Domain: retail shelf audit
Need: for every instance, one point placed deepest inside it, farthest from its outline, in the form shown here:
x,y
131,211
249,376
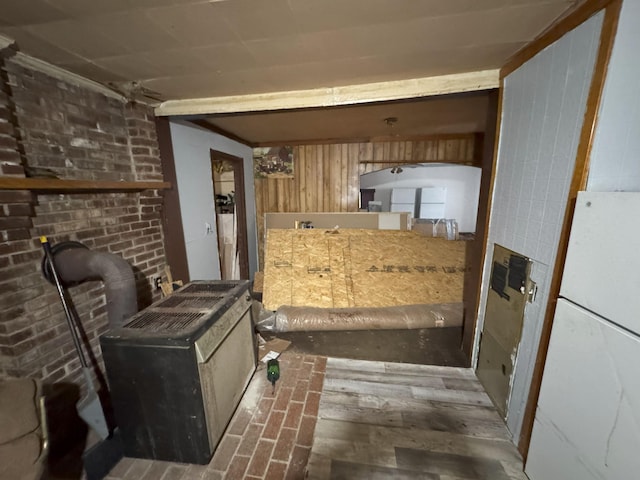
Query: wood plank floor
x,y
382,420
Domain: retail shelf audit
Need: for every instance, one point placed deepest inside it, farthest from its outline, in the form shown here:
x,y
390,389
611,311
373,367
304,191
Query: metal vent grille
x,y
164,322
190,302
208,287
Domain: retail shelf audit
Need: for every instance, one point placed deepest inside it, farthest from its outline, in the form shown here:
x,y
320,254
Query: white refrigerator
x,y
587,422
403,200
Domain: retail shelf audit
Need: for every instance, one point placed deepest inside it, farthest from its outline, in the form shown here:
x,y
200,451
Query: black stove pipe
x,y
75,263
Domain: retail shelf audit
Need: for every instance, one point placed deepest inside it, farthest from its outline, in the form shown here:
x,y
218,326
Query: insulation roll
x,y
289,319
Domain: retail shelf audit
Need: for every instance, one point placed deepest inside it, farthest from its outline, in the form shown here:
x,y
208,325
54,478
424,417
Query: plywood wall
x,y
327,177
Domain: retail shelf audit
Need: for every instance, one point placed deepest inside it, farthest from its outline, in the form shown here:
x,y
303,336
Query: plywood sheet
x,y
360,268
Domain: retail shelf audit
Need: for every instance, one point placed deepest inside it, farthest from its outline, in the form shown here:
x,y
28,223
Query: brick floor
x,y
268,438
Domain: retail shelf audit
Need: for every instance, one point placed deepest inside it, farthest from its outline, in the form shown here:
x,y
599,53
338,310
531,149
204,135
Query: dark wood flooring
x,y
425,346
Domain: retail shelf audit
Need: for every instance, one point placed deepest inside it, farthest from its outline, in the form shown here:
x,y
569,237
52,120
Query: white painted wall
x,y
191,150
615,155
542,113
461,181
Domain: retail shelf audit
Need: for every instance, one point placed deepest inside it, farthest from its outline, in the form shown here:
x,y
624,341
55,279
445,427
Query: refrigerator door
x,y
602,270
403,207
403,195
432,210
587,423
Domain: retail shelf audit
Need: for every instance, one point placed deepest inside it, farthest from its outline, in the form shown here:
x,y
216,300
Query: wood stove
x,y
178,369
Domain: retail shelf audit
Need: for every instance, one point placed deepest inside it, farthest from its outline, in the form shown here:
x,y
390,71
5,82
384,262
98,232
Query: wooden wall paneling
x,y
354,178
453,150
378,152
309,180
442,150
326,176
301,174
319,163
408,149
344,176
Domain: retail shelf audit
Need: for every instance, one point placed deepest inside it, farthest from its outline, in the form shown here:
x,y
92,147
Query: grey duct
x,y
75,265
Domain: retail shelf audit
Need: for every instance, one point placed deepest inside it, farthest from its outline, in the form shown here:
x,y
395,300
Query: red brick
x,y
137,470
8,169
240,420
272,428
156,471
300,392
284,445
312,404
276,471
294,414
15,196
298,463
121,467
20,209
320,364
305,371
14,222
250,439
315,384
305,434
261,457
224,452
282,399
263,410
195,472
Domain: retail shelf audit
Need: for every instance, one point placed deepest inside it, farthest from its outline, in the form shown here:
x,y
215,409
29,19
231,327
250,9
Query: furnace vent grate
x,y
164,322
190,302
208,287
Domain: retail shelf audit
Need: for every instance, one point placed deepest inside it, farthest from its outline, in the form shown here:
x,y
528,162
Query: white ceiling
x,y
184,49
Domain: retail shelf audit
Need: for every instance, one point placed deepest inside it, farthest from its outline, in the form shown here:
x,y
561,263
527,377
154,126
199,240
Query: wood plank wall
x,y
327,176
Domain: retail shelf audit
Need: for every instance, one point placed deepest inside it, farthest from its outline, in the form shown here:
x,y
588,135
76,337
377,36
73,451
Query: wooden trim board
x,y
367,220
334,96
555,32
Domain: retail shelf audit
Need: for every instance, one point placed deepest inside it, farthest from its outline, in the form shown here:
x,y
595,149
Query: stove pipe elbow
x,y
75,264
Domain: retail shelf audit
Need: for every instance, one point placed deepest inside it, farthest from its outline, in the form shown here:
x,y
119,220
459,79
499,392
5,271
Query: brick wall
x,y
78,134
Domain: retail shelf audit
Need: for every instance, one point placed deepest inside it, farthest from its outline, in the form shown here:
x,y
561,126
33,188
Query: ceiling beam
x,y
201,122
335,96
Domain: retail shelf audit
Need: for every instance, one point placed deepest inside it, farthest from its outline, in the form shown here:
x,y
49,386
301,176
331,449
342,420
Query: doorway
x,y
231,216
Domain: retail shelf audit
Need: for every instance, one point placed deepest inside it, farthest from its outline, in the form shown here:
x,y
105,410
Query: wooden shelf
x,y
55,185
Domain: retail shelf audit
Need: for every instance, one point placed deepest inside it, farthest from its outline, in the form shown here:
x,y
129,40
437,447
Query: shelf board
x,y
55,185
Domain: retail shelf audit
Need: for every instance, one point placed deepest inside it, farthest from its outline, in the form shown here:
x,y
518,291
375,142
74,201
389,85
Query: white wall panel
x,y
615,156
191,150
542,111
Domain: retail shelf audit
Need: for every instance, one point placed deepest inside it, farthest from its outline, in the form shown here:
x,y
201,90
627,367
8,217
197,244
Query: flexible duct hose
x,y
75,263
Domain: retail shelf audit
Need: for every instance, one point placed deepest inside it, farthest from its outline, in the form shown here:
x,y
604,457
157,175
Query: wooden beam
x,y
333,96
174,243
387,138
470,339
201,122
485,157
578,183
55,185
581,13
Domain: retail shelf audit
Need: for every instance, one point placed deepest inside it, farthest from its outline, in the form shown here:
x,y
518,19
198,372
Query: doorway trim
x,y
241,207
